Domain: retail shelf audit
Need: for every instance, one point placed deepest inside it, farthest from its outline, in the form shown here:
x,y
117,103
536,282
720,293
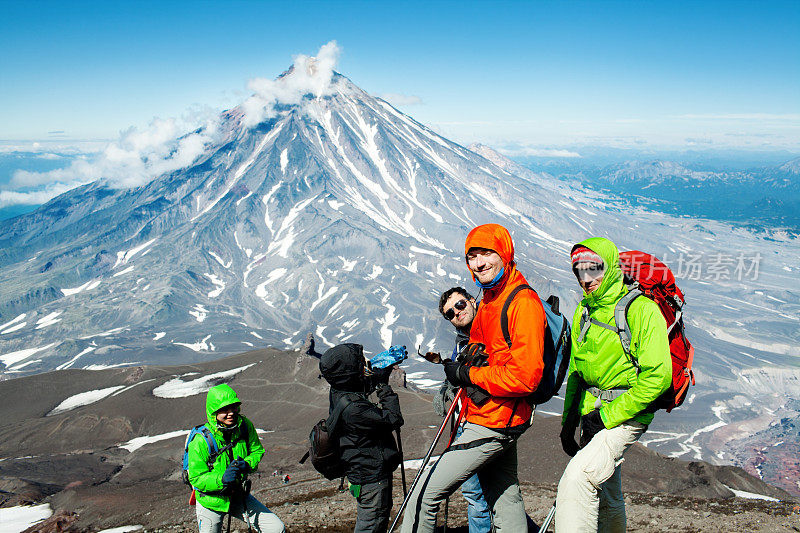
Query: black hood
x,y
343,367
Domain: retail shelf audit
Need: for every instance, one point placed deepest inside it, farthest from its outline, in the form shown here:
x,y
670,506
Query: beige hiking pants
x,y
481,450
589,496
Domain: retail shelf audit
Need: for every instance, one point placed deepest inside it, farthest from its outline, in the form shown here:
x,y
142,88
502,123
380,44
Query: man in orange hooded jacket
x,y
512,371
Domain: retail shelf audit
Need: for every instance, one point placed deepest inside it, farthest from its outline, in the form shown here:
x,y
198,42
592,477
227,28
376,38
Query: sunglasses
x,y
589,273
451,313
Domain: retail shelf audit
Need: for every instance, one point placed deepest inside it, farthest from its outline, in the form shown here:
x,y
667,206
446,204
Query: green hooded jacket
x,y
208,482
600,360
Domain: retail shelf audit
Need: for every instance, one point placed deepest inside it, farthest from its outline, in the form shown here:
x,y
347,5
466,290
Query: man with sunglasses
x,y
457,306
609,392
510,371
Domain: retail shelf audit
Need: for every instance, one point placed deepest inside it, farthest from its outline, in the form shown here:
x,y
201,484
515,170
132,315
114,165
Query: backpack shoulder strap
x,y
333,419
504,314
623,328
213,449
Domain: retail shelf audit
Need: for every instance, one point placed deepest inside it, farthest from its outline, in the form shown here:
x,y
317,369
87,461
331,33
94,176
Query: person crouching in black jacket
x,y
365,430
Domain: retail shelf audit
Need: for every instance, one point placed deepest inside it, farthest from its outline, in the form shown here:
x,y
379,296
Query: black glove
x,y
381,375
243,466
474,354
591,425
456,373
231,473
568,442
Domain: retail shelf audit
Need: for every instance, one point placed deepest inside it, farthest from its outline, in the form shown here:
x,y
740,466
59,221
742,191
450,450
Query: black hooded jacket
x,y
365,429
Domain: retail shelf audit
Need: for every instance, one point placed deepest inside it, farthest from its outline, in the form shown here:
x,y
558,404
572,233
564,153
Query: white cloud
x,y
134,159
538,152
398,100
308,75
35,197
51,149
139,156
743,116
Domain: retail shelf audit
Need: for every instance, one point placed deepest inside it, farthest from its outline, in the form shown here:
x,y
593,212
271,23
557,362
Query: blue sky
x,y
706,74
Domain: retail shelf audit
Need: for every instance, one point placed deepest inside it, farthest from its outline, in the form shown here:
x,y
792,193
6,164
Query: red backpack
x,y
648,276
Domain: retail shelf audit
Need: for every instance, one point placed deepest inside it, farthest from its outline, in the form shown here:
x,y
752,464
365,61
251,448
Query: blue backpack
x,y
557,346
213,449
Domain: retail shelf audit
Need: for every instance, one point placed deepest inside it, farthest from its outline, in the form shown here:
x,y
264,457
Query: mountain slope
x,y
338,214
121,432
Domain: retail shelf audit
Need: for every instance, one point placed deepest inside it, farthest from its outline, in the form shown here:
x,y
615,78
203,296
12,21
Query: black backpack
x,y
326,457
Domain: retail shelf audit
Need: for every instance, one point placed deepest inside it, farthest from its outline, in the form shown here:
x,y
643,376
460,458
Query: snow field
x,y
21,517
13,321
200,313
217,283
10,359
198,346
48,320
84,398
89,285
177,388
72,361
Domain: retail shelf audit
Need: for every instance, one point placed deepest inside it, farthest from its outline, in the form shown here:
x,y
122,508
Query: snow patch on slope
x,y
177,388
84,398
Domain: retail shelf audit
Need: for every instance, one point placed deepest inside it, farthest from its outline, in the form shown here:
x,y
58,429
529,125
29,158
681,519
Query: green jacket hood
x,y
612,287
217,398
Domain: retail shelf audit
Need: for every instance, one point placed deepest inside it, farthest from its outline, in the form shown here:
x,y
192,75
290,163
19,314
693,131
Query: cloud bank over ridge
x,y
166,145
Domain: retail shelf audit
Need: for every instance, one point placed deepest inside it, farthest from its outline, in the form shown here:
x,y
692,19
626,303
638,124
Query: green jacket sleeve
x,y
254,443
650,347
200,477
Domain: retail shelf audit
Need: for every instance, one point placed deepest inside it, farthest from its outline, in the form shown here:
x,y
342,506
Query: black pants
x,y
374,507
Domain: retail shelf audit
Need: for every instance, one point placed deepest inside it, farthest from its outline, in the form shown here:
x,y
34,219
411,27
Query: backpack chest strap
x,y
587,320
622,329
606,395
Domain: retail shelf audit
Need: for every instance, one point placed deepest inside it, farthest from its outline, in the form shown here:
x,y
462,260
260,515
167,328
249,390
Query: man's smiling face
x,y
486,264
463,317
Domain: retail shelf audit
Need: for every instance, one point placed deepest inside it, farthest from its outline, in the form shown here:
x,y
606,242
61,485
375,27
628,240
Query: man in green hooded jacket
x,y
606,391
218,483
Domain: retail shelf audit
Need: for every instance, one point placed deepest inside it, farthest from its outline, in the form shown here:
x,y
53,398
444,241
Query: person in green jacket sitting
x,y
606,391
219,482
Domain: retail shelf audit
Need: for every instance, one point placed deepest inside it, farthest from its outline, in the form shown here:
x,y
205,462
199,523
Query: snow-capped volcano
x,y
338,214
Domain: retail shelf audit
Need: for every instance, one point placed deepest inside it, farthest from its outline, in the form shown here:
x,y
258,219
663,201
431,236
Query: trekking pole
x,y
425,459
402,462
247,484
549,519
447,500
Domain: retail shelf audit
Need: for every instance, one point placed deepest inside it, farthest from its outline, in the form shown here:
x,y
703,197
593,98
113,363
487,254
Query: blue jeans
x,y
478,513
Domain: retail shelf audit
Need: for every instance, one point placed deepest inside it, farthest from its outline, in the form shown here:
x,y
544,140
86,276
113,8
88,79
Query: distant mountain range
x,y
762,198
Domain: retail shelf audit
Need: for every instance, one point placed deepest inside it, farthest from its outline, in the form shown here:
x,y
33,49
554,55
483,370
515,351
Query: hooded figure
x,y
344,368
366,443
217,481
488,444
606,391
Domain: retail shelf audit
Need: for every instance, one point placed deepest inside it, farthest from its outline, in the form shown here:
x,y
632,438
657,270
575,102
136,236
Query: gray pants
x,y
490,454
261,518
590,496
374,506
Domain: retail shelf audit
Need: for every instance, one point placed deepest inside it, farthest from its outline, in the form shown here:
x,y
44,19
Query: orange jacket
x,y
510,373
